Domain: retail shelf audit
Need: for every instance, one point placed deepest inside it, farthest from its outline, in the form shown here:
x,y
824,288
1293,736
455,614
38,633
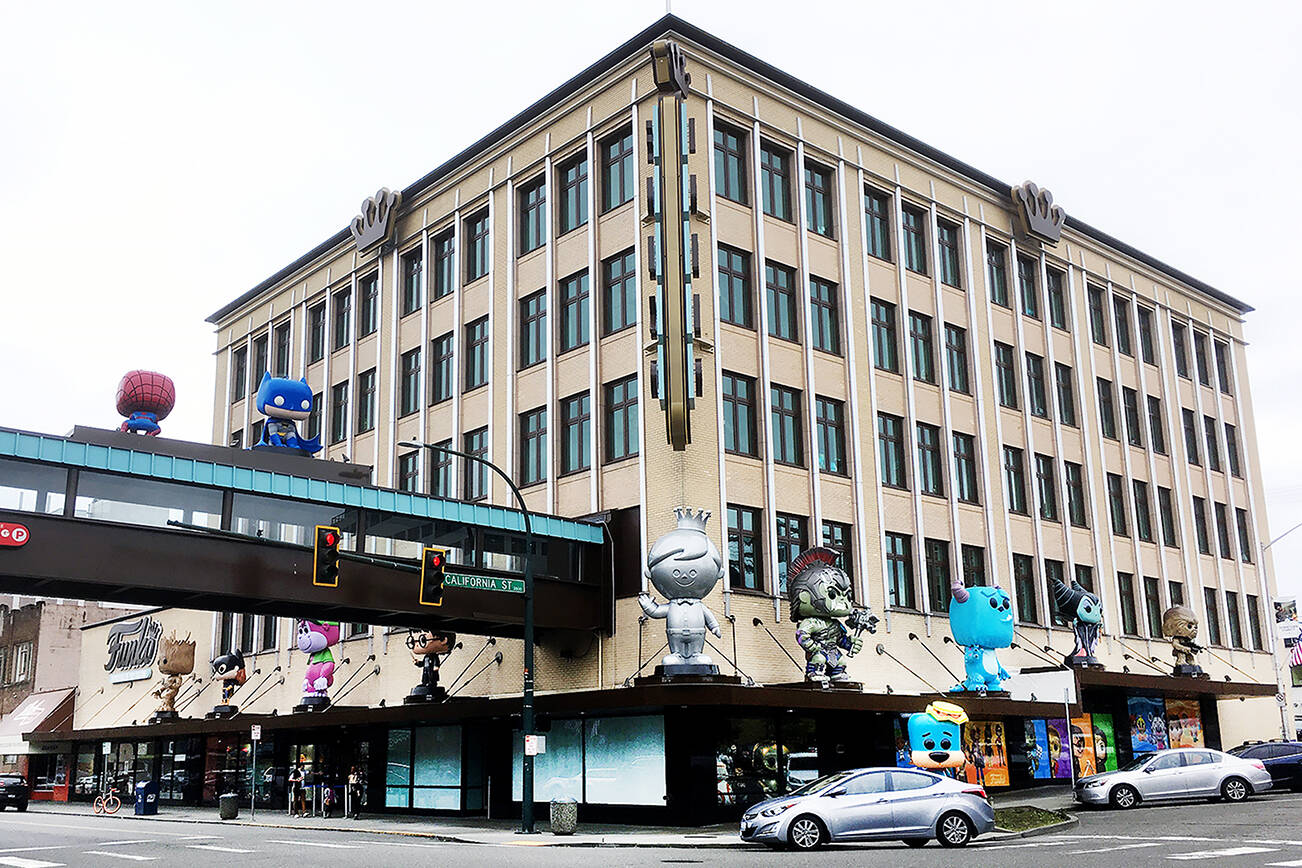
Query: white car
x,y
1185,773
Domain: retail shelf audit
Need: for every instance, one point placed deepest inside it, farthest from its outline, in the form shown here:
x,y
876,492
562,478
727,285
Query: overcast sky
x,y
157,160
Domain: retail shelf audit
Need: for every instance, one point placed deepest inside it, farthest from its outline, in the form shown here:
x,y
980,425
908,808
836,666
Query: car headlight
x,y
1095,784
775,810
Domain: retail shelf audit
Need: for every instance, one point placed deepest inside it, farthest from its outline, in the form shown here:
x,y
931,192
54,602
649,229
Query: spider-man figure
x,y
145,398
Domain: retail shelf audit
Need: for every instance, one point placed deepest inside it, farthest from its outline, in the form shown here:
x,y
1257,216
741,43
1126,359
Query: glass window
x,y
780,286
936,554
1015,479
1156,425
775,181
442,380
1200,356
558,773
818,200
830,419
824,309
1028,287
1028,610
1245,540
444,255
1153,605
956,358
1066,394
1147,349
739,435
1055,282
573,176
1179,349
477,236
744,547
837,537
915,240
1035,390
131,500
877,214
409,471
931,474
440,470
1223,374
623,760
409,391
1053,575
1126,593
281,334
1121,309
533,446
617,170
1006,376
1190,436
1213,616
533,328
974,566
885,352
1200,525
1143,520
730,163
532,203
259,360
899,570
1117,504
621,419
1232,450
735,304
1075,494
1176,590
924,362
1213,444
791,541
1254,621
410,266
343,311
965,474
1232,619
1166,514
1046,483
474,474
368,289
316,329
365,401
28,487
997,272
1130,409
788,444
890,440
948,254
619,292
338,412
574,311
1098,316
576,425
1107,409
476,353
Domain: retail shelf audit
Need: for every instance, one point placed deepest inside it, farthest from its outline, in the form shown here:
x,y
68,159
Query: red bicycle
x,y
108,803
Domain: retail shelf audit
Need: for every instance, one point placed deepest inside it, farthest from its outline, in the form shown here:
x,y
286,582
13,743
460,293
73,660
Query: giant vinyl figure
x,y
284,402
684,565
981,619
315,638
1082,607
819,593
935,738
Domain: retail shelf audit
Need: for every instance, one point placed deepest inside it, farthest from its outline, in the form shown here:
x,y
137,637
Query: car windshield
x,y
1136,763
1240,750
820,784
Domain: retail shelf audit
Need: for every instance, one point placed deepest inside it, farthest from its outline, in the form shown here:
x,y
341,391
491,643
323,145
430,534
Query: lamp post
x,y
526,717
1285,729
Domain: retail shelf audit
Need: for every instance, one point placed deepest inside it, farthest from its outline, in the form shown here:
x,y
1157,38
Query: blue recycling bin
x,y
146,798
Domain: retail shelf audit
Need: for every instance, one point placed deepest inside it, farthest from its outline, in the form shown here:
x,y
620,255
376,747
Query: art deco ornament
x,y
669,68
819,593
684,565
1086,615
1038,217
1180,625
374,225
981,620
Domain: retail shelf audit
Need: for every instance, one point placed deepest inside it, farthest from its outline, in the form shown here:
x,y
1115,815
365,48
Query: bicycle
x,y
108,803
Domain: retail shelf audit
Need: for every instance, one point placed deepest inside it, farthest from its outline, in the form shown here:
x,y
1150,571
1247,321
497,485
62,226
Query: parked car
x,y
14,791
1283,759
1185,773
907,804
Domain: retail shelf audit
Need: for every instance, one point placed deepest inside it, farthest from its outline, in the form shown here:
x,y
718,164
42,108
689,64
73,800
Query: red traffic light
x,y
436,559
330,539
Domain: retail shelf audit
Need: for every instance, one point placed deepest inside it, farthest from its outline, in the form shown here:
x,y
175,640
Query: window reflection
x,y
32,487
141,501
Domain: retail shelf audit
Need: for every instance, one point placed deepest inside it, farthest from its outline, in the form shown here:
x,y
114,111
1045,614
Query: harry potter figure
x,y
429,648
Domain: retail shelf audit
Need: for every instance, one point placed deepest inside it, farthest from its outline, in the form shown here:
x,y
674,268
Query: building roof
x,y
672,24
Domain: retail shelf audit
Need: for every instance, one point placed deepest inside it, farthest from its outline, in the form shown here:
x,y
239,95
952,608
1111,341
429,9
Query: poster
x,y
1286,622
903,756
1082,746
1184,723
1105,742
1147,724
1037,749
1059,748
987,752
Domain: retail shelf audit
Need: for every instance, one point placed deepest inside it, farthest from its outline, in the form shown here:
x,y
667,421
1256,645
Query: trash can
x,y
146,798
564,816
228,806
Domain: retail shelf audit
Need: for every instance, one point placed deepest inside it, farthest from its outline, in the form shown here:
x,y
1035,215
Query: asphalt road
x,y
1262,832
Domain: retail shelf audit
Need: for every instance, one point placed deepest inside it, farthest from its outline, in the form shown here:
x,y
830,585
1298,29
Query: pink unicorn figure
x,y
315,639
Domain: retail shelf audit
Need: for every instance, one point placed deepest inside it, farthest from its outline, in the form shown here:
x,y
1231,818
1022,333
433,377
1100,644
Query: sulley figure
x,y
819,593
981,620
315,639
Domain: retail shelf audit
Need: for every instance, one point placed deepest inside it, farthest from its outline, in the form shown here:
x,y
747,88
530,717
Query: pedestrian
x,y
296,790
327,800
355,791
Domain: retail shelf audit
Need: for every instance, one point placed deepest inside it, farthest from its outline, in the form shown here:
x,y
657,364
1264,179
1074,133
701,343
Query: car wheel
x,y
1235,790
806,833
1124,796
954,829
22,806
916,842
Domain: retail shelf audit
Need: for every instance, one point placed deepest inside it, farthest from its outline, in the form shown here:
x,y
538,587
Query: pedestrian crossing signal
x,y
432,562
325,557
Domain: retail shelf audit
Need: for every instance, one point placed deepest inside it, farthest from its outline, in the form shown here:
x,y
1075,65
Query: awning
x,y
49,711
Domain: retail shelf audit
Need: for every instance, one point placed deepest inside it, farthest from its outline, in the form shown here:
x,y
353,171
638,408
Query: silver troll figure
x,y
819,593
684,565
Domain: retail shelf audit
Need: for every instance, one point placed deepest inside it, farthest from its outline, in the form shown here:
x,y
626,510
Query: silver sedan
x,y
1184,773
906,804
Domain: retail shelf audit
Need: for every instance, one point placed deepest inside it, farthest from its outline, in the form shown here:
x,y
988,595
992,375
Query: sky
x,y
159,159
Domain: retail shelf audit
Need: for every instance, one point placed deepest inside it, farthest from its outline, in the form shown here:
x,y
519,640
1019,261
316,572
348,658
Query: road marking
x,y
110,853
985,847
1118,847
201,838
51,827
1223,854
317,844
217,849
34,849
132,841
16,862
1296,863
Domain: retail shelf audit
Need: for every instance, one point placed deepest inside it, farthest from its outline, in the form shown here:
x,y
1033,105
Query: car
x,y
14,791
1283,759
1183,773
910,805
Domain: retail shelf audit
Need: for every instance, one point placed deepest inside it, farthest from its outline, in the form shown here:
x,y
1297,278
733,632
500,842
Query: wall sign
x,y
374,225
1037,216
12,534
131,649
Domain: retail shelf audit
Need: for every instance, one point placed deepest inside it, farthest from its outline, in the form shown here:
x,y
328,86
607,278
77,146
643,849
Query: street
x,y
1262,832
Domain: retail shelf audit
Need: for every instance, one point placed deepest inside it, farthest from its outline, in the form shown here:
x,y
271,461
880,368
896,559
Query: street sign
x,y
106,748
1281,699
257,732
483,583
535,745
12,534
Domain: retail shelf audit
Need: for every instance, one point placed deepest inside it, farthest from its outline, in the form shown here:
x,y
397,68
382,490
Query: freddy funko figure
x,y
934,737
684,565
981,620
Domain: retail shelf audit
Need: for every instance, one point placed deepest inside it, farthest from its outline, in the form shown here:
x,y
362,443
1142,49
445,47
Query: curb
x,y
1069,823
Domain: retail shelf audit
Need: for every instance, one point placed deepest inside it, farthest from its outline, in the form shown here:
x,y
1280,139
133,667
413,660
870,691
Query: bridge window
x,y
32,487
142,501
289,521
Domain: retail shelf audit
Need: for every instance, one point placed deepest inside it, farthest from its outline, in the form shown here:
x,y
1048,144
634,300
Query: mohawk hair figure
x,y
819,593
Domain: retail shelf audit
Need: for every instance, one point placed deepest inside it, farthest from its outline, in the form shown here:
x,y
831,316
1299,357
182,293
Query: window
x,y
956,358
1232,450
409,392
1121,309
830,418
1254,621
1143,519
621,419
1190,436
1166,514
312,428
1222,529
533,446
1015,479
1053,576
1027,288
1024,586
255,431
1147,350
1126,592
444,256
1200,356
368,289
1006,376
411,268
1066,394
1107,409
259,359
239,373
440,476
915,240
270,627
1153,605
775,181
476,353
532,202
931,473
947,242
573,211
442,375
409,471
734,288
790,538
1156,425
1232,619
619,292
316,329
877,215
1200,525
1130,409
739,414
1054,283
1213,616
788,446
885,352
1046,483
617,170
474,474
965,477
1213,444
281,334
974,566
1117,504
477,229
997,272
899,570
533,328
343,312
1245,541
1176,590
890,444
365,401
780,287
1222,351
818,200
836,536
574,311
935,555
1076,513
576,437
1098,317
338,412
1035,390
823,308
744,548
1179,349
730,163
356,630
924,363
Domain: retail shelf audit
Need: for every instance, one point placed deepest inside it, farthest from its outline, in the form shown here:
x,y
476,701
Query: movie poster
x,y
903,756
1105,742
1184,723
1037,749
1059,747
987,753
1082,746
1147,724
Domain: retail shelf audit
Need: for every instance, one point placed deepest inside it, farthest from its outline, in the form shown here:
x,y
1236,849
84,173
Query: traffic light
x,y
325,557
432,562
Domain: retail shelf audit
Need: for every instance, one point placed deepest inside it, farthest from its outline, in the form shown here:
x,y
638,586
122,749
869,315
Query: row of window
x,y
746,556
251,634
617,185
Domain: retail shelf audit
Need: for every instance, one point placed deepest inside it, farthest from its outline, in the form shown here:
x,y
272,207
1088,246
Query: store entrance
x,y
323,768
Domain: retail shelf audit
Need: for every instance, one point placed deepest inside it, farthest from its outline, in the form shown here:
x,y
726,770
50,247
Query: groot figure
x,y
175,660
1180,625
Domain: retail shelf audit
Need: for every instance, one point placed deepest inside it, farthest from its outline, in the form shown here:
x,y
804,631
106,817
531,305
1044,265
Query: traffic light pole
x,y
526,717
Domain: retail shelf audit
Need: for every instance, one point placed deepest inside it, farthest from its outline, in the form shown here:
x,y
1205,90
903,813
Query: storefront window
x,y
624,761
437,768
226,768
32,487
84,782
558,773
397,781
141,501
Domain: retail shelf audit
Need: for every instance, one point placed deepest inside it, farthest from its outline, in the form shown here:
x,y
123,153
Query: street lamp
x,y
1274,643
526,717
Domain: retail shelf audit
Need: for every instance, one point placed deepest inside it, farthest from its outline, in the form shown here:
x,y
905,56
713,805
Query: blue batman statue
x,y
283,401
981,620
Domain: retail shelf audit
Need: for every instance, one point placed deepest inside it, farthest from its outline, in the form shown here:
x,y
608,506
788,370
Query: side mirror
x,y
836,794
1148,770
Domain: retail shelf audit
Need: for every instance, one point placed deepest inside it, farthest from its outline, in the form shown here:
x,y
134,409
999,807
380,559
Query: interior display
x,y
1180,625
1105,742
1184,723
228,669
986,747
820,597
428,650
981,620
1147,723
1082,746
145,398
316,638
684,565
175,660
1059,747
935,737
284,402
1082,608
1036,746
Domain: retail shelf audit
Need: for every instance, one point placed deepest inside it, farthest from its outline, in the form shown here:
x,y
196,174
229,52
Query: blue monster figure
x,y
283,401
981,620
935,741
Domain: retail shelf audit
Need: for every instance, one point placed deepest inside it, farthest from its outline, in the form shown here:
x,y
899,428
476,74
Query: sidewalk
x,y
1056,797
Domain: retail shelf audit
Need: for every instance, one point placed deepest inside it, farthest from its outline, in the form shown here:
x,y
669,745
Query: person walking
x,y
296,808
355,792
